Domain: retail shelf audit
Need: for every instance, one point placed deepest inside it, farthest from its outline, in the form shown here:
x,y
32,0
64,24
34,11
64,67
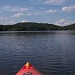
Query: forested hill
x,y
69,27
31,26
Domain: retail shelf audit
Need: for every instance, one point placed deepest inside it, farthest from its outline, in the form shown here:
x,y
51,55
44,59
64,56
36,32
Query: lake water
x,y
52,53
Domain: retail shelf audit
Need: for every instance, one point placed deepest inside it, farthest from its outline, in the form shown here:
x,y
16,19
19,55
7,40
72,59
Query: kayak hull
x,y
28,69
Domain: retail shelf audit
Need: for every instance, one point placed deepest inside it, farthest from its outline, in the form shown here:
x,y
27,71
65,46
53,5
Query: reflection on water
x,y
52,52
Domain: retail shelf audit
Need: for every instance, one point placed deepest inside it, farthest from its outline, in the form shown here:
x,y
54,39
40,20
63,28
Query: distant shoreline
x,y
35,27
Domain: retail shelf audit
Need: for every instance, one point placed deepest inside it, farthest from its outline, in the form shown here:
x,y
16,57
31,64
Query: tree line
x,y
29,26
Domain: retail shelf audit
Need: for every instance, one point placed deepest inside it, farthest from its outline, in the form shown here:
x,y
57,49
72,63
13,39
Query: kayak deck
x,y
28,69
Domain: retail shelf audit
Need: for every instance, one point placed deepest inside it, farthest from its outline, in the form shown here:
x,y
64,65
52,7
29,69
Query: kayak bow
x,y
28,69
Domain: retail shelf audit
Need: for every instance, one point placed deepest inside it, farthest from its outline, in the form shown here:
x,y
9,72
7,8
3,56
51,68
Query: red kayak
x,y
28,69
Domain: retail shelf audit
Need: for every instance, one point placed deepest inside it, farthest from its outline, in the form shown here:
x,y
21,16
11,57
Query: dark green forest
x,y
31,26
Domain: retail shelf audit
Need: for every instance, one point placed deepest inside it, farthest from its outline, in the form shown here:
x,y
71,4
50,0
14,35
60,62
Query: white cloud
x,y
63,22
51,2
29,14
9,23
37,13
23,9
67,9
24,21
14,8
18,15
33,13
2,18
54,2
51,11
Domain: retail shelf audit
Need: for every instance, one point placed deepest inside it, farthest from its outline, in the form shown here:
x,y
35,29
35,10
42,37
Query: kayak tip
x,y
28,69
27,64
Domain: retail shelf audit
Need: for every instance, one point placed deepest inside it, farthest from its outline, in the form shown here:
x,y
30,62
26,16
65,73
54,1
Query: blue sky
x,y
59,12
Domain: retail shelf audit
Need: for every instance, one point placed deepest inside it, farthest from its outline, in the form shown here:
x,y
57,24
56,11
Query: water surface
x,y
52,53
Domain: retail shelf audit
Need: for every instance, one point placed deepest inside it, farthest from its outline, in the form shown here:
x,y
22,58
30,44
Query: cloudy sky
x,y
60,12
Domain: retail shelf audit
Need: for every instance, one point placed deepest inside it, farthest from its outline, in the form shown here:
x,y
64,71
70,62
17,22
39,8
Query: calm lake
x,y
52,53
